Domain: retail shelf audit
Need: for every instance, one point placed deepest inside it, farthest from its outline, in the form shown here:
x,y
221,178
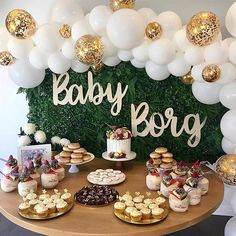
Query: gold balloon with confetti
x,y
20,24
89,49
6,58
97,67
187,79
65,31
153,31
116,5
203,28
226,169
211,73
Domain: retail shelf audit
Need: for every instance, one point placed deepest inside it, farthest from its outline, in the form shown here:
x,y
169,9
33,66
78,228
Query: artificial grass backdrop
x,y
88,123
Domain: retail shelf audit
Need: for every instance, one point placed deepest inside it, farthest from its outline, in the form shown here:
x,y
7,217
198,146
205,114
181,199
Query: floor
x,y
214,225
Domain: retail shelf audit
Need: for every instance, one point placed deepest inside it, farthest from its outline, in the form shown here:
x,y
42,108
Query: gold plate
x,y
142,222
32,216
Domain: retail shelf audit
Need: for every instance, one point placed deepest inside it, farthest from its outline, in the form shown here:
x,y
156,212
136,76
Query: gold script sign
x,y
74,94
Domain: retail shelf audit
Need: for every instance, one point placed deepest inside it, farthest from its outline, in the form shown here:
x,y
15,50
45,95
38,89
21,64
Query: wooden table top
x,y
98,221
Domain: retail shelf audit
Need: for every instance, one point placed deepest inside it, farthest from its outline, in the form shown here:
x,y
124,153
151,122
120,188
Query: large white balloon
x,y
4,36
207,93
196,72
162,51
58,64
228,125
109,48
179,66
47,38
66,11
180,40
68,49
194,55
20,48
228,73
38,59
227,42
232,52
228,95
98,18
80,28
25,75
227,146
230,228
157,72
230,20
125,29
138,64
140,53
125,55
79,67
148,14
111,61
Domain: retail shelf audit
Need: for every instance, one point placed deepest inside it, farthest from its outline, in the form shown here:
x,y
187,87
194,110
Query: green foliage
x,y
88,123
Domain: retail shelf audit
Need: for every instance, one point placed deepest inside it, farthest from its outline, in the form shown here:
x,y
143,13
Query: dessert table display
x,y
89,220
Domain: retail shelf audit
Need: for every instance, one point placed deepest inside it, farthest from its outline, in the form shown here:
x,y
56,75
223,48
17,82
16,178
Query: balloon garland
x,y
110,34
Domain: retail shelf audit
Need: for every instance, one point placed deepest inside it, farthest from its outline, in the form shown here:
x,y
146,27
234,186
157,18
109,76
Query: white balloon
x,y
47,38
125,55
98,19
233,204
138,64
148,14
230,228
228,125
228,73
23,74
227,42
181,40
216,53
228,95
230,20
179,67
140,53
67,11
80,28
109,48
4,36
157,72
38,59
162,51
206,93
232,52
196,72
68,49
79,67
58,64
111,61
227,146
194,55
125,29
20,48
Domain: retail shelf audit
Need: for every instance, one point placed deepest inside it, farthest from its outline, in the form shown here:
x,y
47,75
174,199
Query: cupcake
x,y
127,197
10,165
62,206
129,203
136,215
153,180
31,195
138,198
140,206
41,210
55,196
24,207
148,201
33,203
44,196
119,207
146,213
66,196
51,207
152,206
157,213
168,184
179,200
161,202
128,210
180,172
33,173
47,201
57,168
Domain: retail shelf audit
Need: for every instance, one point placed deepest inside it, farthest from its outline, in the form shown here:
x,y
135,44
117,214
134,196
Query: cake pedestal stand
x,y
119,163
73,168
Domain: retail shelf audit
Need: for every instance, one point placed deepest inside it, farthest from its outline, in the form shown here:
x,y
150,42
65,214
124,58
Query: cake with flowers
x,y
119,142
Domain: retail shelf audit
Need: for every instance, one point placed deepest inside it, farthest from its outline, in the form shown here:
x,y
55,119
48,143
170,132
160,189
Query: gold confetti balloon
x,y
226,169
153,31
89,49
20,24
116,5
97,67
211,73
187,79
65,31
6,58
203,28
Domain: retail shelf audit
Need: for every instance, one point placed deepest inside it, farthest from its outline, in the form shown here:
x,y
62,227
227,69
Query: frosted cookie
x,y
65,154
73,146
66,149
76,161
64,160
76,155
80,151
86,157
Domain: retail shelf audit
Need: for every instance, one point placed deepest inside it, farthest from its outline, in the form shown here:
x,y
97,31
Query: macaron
x,y
167,159
76,155
66,149
154,155
157,161
65,154
73,146
64,160
166,166
167,154
86,157
76,161
161,150
80,151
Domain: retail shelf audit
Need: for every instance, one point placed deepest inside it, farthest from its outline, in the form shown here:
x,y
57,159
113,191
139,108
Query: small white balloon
x,y
228,125
140,53
67,11
98,19
125,29
125,55
20,48
80,28
162,51
111,61
227,146
148,14
179,66
194,55
227,42
230,20
206,93
4,36
138,64
109,48
68,49
79,67
196,72
228,95
38,59
157,72
232,52
47,38
230,228
23,74
228,73
58,64
180,40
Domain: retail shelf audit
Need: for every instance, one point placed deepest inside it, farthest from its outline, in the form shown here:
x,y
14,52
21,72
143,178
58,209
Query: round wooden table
x,y
98,221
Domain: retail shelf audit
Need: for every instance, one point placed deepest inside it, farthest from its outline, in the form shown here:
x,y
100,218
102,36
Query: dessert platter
x,y
74,155
106,177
